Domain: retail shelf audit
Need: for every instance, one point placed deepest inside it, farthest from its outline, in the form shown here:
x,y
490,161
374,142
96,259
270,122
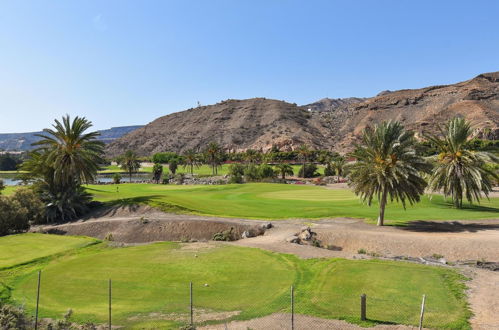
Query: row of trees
x,y
388,168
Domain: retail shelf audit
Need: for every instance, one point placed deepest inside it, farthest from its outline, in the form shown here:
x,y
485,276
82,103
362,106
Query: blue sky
x,y
123,62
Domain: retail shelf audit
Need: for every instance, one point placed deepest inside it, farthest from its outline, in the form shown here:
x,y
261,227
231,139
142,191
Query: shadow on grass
x,y
447,226
132,204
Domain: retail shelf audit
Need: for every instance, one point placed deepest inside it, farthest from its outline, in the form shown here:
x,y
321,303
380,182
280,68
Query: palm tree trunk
x,y
130,176
382,205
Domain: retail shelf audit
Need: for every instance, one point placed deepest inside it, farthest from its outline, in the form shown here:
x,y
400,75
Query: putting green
x,y
281,201
23,248
151,286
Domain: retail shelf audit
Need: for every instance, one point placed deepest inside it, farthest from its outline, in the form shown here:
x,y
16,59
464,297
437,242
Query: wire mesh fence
x,y
200,306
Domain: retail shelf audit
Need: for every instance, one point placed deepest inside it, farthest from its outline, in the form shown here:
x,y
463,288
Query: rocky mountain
x,y
422,109
328,104
236,124
23,141
335,124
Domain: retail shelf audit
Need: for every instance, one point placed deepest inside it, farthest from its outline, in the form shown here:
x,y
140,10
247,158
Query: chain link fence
x,y
191,307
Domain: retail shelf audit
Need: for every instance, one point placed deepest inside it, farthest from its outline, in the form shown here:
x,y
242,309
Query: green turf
x,y
151,286
279,201
201,170
23,248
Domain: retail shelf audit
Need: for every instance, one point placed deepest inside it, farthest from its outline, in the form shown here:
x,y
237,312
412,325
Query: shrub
x,y
266,171
361,251
117,178
173,165
18,210
226,235
251,173
236,172
310,171
328,171
2,186
164,157
236,179
14,318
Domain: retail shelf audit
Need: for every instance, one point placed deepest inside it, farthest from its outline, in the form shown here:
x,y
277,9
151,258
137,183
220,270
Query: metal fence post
x,y
292,308
110,295
422,312
37,299
363,299
191,309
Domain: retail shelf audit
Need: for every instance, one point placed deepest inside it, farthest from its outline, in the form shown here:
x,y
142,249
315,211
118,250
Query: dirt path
x,y
454,240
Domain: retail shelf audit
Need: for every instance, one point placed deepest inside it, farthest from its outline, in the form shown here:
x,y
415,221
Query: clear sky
x,y
123,62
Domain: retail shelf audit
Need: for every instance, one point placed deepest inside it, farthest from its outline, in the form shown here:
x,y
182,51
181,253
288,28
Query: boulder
x,y
293,239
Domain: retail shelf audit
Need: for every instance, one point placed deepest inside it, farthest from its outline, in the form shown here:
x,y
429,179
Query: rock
x,y
267,225
304,228
442,261
305,235
293,239
246,234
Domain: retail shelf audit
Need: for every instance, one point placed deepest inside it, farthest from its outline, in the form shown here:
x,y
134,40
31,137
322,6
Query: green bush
x,y
14,318
117,178
251,173
164,157
266,172
226,235
173,165
328,171
310,171
18,210
2,186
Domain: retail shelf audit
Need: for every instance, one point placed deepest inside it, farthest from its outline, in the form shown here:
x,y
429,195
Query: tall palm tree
x,y
460,172
284,169
73,154
191,160
66,156
130,163
387,166
304,153
214,156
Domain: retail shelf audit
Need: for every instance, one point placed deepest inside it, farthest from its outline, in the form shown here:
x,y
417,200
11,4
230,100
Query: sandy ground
x,y
456,240
283,322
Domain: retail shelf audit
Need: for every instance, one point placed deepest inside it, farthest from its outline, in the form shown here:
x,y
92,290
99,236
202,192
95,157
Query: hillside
x,y
331,123
23,141
236,124
422,109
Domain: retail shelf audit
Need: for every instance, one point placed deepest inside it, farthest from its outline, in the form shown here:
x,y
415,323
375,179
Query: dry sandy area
x,y
283,322
457,240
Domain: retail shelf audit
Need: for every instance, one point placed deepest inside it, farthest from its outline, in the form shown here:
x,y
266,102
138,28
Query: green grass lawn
x,y
201,170
23,248
279,201
151,286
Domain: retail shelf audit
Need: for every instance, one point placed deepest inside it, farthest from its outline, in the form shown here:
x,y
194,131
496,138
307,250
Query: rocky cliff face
x,y
327,124
236,124
423,109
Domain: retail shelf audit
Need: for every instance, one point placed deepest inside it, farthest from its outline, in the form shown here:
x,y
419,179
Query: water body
x,y
12,180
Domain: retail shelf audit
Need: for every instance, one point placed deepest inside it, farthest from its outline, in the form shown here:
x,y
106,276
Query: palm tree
x,y
304,152
214,156
191,160
460,172
387,166
130,163
66,157
252,156
338,165
73,154
284,169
